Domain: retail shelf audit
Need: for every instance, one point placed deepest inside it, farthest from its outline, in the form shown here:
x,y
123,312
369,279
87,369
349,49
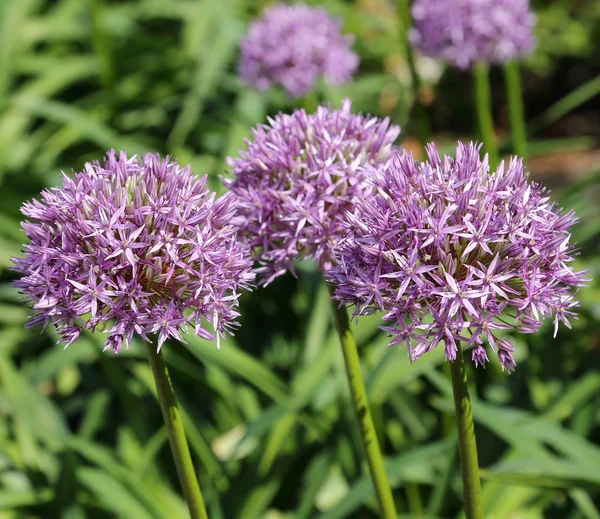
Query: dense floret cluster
x,y
133,247
463,32
292,46
451,252
299,173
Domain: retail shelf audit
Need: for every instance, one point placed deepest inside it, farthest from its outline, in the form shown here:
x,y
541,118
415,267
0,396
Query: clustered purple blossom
x,y
478,252
463,32
293,46
299,173
133,248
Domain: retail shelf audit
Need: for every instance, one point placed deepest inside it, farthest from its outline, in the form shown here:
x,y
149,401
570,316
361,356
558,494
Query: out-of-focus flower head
x,y
463,32
292,46
450,252
133,247
299,173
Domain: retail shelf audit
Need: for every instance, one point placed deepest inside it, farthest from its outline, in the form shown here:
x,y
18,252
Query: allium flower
x,y
465,31
132,248
299,173
450,252
292,46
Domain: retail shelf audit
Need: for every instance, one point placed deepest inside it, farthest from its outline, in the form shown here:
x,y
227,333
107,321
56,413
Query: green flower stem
x,y
512,77
420,113
363,414
179,446
467,446
483,102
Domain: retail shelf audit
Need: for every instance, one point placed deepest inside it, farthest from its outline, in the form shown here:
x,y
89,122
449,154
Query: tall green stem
x,y
512,77
483,102
420,112
179,446
467,446
363,413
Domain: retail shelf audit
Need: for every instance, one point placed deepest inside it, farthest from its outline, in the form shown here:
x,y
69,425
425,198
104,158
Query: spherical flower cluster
x,y
133,247
299,173
450,252
463,32
292,46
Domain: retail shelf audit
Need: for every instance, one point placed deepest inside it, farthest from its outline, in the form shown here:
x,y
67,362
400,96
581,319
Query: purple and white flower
x,y
292,46
299,173
463,32
453,253
133,247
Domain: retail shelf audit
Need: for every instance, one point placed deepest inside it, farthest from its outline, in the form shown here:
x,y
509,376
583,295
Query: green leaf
x,y
577,393
38,413
568,103
553,474
10,499
314,477
416,466
584,503
88,125
112,494
139,490
235,360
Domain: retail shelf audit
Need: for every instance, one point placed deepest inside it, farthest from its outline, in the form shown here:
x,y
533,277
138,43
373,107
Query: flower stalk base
x,y
483,103
179,446
360,403
466,438
518,131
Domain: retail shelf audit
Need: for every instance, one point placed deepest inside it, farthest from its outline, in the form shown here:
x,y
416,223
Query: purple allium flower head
x,y
292,46
133,247
299,173
463,32
450,252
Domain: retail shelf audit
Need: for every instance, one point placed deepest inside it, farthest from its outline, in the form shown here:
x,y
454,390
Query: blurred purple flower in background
x,y
463,32
292,46
478,252
299,173
133,247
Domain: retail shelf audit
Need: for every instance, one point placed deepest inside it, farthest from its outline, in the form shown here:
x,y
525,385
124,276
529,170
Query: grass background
x,y
268,416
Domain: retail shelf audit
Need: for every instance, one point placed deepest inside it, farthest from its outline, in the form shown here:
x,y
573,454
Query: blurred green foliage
x,y
268,416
